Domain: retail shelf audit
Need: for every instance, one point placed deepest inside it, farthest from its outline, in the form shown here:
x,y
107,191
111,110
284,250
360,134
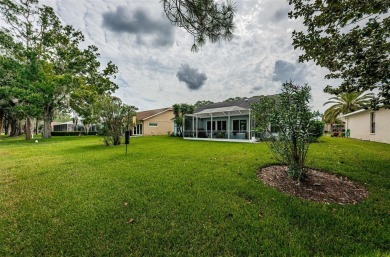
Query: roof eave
x,y
151,116
355,112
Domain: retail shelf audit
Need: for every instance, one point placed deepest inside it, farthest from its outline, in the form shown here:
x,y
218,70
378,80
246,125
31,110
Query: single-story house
x,y
154,122
70,126
62,126
335,127
369,125
223,121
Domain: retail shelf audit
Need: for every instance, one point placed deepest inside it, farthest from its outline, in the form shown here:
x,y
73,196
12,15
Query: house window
x,y
217,125
138,129
208,125
221,125
152,124
239,125
372,122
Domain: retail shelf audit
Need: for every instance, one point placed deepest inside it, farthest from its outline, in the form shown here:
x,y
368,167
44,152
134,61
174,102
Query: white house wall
x,y
359,125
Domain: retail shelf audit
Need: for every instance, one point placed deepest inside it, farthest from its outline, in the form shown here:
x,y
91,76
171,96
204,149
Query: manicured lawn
x,y
72,196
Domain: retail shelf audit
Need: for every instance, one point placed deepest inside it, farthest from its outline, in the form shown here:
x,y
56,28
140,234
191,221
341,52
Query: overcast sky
x,y
157,68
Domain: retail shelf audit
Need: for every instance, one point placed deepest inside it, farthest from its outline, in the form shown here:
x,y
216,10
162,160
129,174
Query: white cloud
x,y
243,67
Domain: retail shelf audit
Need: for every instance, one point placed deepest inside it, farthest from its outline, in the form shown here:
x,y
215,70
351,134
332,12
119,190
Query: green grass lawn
x,y
72,196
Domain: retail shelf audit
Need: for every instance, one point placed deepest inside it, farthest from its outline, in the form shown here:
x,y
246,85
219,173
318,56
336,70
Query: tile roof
x,y
147,114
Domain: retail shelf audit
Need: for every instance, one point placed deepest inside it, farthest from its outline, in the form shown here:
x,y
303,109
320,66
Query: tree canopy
x,y
203,19
351,39
44,66
202,103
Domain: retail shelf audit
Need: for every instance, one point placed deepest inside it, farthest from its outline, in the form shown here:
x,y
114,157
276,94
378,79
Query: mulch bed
x,y
317,186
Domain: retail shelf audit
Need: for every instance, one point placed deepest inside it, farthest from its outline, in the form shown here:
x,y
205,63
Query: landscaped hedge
x,y
72,133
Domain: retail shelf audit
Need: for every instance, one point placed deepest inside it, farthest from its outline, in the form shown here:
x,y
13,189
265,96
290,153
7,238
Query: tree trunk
x,y
19,128
46,127
47,119
6,125
36,126
27,130
1,120
13,127
87,127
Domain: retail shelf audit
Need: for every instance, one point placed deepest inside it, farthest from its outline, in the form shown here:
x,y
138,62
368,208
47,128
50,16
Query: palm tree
x,y
179,111
345,103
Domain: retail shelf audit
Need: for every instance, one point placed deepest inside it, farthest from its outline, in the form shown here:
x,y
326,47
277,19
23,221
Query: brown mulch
x,y
317,186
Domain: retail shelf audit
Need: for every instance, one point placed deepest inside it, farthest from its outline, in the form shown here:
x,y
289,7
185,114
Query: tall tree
x,y
346,103
203,19
55,63
14,103
20,18
351,39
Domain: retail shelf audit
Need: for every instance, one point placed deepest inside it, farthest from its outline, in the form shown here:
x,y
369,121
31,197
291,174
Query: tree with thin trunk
x,y
116,117
285,122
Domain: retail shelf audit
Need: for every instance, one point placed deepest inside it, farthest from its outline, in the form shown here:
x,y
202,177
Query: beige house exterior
x,y
369,125
153,122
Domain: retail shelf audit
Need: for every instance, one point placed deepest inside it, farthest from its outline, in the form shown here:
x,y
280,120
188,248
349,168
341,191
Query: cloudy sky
x,y
157,68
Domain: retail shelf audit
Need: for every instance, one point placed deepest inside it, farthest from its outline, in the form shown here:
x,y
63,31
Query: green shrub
x,y
316,130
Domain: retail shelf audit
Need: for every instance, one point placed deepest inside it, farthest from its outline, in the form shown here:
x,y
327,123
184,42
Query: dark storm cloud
x,y
286,71
255,89
192,77
281,14
138,22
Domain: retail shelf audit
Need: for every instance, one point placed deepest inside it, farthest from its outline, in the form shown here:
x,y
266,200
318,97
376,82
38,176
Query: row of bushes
x,y
72,133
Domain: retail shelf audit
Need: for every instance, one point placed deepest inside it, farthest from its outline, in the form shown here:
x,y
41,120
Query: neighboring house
x,y
154,122
369,125
335,127
70,126
62,126
225,121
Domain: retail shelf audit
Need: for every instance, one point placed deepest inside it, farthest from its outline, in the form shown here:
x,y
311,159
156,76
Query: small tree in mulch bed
x,y
285,122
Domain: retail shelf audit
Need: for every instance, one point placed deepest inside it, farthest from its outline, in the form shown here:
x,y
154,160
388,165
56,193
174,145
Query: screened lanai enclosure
x,y
232,123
